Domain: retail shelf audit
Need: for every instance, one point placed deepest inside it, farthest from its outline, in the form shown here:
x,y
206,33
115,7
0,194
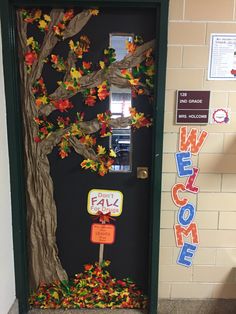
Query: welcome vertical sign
x,y
186,230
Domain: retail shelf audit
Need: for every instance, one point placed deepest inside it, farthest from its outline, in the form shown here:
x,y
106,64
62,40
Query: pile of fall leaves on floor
x,y
94,288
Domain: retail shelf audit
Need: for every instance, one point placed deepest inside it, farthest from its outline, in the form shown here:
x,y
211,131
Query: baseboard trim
x,y
197,306
14,308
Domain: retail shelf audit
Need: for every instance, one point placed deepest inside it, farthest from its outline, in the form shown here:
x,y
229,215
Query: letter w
x,y
191,142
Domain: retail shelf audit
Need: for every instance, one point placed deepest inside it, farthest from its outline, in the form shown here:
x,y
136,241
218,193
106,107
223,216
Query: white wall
x,y
7,277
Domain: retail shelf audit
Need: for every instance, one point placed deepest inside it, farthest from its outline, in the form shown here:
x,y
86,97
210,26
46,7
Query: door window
x,y
120,102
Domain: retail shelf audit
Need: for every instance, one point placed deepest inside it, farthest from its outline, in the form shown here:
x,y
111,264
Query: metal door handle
x,y
142,172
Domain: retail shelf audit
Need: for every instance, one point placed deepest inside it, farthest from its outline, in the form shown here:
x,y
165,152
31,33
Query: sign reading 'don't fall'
x,y
186,230
192,107
105,201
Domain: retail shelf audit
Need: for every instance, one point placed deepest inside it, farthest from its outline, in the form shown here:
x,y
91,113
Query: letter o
x,y
182,219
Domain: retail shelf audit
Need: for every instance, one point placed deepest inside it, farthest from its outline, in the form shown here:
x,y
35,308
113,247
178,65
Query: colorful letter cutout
x,y
186,254
175,197
186,214
180,232
184,164
191,143
190,181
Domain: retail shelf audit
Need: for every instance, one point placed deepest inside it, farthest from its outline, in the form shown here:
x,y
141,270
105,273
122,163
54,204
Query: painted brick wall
x,y
213,273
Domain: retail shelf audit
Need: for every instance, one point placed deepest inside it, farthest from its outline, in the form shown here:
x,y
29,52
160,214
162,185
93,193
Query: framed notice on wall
x,y
222,57
192,107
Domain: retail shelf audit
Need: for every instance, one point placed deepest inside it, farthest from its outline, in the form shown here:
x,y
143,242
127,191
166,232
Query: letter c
x,y
175,197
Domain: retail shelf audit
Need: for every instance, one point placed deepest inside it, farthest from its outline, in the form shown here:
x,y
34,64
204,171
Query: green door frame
x,y
15,138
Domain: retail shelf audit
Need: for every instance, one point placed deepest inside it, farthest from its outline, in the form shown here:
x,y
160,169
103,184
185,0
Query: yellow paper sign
x,y
105,201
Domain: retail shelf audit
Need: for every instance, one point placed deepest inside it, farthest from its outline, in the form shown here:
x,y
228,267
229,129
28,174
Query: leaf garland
x,y
93,288
60,27
64,147
39,91
45,129
30,16
104,118
140,77
109,56
103,163
138,119
101,92
35,15
58,63
31,54
80,47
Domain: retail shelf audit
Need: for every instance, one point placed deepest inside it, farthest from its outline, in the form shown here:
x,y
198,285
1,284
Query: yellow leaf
x,y
72,45
47,18
75,74
101,150
42,24
44,99
93,11
30,40
134,81
112,153
102,64
75,130
55,295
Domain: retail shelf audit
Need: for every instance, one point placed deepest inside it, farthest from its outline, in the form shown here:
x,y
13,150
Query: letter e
x,y
183,163
186,254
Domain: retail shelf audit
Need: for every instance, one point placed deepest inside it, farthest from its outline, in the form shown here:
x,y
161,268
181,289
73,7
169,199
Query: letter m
x,y
180,232
190,142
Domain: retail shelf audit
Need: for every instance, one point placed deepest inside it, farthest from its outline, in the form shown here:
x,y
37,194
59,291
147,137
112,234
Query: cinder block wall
x,y
213,273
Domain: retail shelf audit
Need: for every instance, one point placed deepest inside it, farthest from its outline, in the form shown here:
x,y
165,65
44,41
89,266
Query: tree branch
x,y
50,40
82,149
112,74
77,23
87,127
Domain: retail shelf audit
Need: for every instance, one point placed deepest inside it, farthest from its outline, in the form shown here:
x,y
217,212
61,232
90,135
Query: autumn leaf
x,y
29,41
101,150
94,12
102,64
47,18
75,74
112,153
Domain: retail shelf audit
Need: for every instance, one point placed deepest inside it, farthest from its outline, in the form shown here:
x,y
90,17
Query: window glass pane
x,y
118,42
120,102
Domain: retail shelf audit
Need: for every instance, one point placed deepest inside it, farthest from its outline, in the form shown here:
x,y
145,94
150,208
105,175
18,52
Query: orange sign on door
x,y
102,233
